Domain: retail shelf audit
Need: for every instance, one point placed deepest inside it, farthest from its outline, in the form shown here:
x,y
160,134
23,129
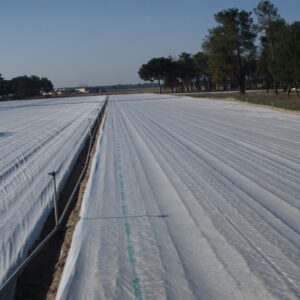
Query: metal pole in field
x,y
53,174
98,110
90,127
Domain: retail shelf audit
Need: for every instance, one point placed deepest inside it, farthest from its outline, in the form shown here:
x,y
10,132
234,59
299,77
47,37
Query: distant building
x,y
50,93
64,91
87,90
82,90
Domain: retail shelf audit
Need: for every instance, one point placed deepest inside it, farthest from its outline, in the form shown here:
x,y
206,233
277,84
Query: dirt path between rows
x,y
41,278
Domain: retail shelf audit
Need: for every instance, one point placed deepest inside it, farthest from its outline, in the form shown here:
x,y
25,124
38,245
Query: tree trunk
x,y
284,87
296,88
275,88
187,85
159,85
205,83
242,88
240,76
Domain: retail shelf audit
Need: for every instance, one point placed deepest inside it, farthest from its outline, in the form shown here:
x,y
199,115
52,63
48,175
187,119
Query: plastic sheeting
x,y
189,199
36,137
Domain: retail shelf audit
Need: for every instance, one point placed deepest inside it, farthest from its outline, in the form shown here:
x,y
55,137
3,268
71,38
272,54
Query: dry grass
x,y
282,100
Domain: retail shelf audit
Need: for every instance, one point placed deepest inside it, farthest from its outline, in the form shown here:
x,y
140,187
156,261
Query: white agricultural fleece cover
x,y
189,199
36,137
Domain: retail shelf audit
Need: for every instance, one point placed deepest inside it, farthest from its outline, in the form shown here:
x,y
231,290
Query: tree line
x,y
236,54
24,87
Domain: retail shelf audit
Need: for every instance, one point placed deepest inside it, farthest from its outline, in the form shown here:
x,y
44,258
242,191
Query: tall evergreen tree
x,y
201,70
268,22
155,69
231,43
286,65
186,70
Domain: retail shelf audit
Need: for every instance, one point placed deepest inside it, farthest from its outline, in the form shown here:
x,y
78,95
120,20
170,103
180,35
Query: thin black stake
x,y
53,174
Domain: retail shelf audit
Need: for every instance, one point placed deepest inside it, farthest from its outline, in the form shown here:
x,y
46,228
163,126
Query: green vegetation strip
x,y
130,248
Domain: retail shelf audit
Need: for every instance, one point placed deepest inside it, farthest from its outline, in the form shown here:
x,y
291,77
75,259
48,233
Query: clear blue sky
x,y
100,42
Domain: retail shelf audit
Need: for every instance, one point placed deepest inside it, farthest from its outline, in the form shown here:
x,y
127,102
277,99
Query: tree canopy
x,y
236,53
24,86
155,69
231,44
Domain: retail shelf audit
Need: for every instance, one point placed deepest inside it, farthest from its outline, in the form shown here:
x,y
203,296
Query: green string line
x,y
130,249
